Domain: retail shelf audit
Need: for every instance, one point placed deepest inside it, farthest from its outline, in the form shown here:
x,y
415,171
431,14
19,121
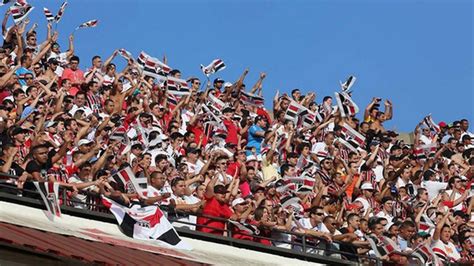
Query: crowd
x,y
340,179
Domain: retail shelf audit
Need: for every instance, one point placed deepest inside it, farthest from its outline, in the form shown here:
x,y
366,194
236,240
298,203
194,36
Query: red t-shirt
x,y
216,209
231,132
198,132
233,168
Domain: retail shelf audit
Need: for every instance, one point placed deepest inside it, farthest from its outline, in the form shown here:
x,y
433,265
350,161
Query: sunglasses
x,y
319,214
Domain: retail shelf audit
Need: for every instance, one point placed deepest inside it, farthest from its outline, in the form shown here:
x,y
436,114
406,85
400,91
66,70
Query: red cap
x,y
442,124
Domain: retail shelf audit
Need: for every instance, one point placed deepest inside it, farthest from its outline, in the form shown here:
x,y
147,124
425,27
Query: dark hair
x,y
23,58
74,58
294,90
160,157
175,181
258,214
326,98
352,216
407,224
301,146
285,167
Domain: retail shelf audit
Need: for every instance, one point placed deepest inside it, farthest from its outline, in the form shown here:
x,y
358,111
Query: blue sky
x,y
419,54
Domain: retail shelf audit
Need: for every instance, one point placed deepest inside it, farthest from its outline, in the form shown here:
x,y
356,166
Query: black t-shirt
x,y
15,169
348,248
448,153
34,166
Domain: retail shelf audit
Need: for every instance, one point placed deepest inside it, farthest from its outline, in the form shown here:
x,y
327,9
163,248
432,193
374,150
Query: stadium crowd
x,y
340,179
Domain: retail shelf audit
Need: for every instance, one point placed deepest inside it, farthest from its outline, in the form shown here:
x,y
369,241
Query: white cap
x,y
251,158
84,142
367,186
237,201
227,84
388,225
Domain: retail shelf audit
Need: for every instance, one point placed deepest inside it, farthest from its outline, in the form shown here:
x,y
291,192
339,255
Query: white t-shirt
x,y
382,214
188,218
153,192
79,200
401,183
456,196
195,168
441,249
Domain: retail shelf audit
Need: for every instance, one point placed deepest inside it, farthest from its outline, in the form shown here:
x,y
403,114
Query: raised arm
x,y
70,51
64,148
209,193
109,60
369,107
33,28
259,82
5,21
388,110
48,38
439,227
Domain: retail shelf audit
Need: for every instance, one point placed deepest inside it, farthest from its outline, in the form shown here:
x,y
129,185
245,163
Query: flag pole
x,y
208,82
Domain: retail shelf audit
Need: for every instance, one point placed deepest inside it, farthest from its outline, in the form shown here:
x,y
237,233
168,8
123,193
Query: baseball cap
x,y
442,124
83,142
237,201
217,80
227,84
251,158
50,124
367,186
53,61
220,189
258,118
18,130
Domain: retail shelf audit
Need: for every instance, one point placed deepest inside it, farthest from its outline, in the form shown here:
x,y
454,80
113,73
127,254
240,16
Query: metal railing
x,y
299,242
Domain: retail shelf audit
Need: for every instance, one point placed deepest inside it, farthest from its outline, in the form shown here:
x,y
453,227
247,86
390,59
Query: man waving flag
x,y
215,66
144,222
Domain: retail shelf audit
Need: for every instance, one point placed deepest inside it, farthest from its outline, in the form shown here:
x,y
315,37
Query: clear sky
x,y
419,54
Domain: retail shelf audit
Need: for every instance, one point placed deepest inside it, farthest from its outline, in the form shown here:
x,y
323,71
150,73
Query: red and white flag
x,y
49,193
88,24
4,2
20,10
126,178
48,14
353,134
293,111
125,54
60,12
346,105
177,86
429,123
346,86
250,99
152,66
215,66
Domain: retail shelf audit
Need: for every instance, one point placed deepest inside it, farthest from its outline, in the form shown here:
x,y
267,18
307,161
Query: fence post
x,y
304,243
64,195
